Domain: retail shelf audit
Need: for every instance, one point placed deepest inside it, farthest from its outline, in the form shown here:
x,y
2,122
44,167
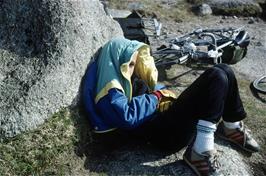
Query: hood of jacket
x,y
113,66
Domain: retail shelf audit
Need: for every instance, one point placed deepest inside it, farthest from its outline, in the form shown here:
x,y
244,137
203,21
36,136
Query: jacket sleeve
x,y
118,112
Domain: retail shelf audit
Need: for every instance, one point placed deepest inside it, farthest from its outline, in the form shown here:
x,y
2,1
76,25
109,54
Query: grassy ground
x,y
177,13
42,150
256,122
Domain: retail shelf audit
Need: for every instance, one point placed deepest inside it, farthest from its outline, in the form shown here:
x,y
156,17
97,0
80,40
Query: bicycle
x,y
210,46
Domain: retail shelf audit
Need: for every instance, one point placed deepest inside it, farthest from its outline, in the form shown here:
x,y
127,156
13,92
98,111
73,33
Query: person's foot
x,y
239,136
202,164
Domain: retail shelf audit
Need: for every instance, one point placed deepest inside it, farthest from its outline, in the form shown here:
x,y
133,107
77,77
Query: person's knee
x,y
226,68
218,72
219,76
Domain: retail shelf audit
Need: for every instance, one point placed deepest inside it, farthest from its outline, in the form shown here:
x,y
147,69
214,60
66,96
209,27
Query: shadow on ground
x,y
119,154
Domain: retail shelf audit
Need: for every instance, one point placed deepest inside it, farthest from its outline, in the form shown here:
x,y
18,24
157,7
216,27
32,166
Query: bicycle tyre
x,y
260,84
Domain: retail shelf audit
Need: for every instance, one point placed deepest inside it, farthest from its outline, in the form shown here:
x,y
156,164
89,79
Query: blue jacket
x,y
114,110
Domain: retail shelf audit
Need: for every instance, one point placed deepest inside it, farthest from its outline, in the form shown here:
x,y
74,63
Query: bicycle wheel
x,y
260,84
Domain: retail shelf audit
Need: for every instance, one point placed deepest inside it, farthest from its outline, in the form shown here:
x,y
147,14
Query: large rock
x,y
45,47
235,7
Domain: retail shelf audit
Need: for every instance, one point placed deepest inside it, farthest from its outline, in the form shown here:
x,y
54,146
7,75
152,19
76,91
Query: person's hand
x,y
168,93
166,98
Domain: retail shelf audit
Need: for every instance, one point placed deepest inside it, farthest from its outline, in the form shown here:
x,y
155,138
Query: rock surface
x,y
45,47
235,7
204,9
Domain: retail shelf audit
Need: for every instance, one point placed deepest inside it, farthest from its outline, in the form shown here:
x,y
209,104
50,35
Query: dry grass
x,y
179,12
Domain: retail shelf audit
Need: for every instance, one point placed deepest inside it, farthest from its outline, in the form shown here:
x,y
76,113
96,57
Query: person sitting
x,y
121,93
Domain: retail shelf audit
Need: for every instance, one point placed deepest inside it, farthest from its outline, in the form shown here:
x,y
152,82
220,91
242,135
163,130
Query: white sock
x,y
205,136
232,125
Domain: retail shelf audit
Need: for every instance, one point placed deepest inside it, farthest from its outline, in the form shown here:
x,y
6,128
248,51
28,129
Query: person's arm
x,y
118,112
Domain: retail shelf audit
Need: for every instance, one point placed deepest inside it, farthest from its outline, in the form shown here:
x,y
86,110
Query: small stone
x,y
258,44
204,9
251,21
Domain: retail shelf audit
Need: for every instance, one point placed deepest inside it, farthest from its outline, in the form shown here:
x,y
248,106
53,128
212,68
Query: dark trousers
x,y
211,96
